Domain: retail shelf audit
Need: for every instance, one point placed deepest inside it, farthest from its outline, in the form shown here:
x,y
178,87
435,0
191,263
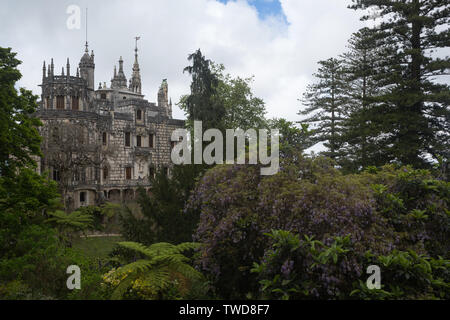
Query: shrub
x,y
308,269
378,210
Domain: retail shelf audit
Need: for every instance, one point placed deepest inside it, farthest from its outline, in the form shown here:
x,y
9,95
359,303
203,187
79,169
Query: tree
x,y
417,106
363,66
29,249
201,104
243,109
69,223
71,149
292,138
326,103
163,216
162,266
19,138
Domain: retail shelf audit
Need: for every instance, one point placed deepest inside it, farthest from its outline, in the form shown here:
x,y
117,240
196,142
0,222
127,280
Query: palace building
x,y
102,144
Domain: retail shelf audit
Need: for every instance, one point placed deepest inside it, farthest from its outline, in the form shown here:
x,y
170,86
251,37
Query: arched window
x,y
139,115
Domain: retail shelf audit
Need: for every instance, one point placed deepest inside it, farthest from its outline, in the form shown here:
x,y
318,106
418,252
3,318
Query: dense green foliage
x,y
163,217
160,272
19,138
380,211
294,268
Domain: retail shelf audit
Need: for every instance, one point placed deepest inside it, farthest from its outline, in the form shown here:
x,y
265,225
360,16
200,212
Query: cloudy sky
x,y
277,41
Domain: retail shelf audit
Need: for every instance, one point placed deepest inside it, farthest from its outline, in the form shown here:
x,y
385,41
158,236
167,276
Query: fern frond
x,y
136,267
123,286
138,247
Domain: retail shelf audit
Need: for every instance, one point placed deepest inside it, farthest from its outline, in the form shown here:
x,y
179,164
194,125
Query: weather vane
x,y
136,38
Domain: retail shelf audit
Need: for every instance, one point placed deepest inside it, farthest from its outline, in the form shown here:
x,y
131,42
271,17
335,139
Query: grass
x,y
96,247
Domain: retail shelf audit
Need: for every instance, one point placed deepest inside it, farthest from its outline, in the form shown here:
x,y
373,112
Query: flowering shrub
x,y
416,205
378,211
297,269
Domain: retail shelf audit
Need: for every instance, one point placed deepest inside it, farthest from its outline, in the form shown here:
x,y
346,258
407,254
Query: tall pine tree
x,y
326,103
363,65
416,105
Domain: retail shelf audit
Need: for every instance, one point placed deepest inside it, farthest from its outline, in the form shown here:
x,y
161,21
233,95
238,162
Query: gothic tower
x,y
87,67
163,98
119,81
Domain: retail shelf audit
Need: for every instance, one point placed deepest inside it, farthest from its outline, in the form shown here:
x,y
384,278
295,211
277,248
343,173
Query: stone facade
x,y
127,138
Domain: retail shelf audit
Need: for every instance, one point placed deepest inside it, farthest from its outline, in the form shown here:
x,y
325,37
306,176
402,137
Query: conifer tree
x,y
416,105
364,70
326,103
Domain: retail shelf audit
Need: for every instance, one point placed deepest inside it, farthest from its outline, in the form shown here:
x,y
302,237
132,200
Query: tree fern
x,y
75,220
161,266
68,223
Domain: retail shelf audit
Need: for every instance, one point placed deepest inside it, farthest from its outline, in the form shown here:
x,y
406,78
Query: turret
x,y
87,68
135,82
68,67
163,98
119,81
52,69
43,71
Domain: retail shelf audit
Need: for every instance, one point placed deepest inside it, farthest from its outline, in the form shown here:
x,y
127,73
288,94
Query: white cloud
x,y
281,56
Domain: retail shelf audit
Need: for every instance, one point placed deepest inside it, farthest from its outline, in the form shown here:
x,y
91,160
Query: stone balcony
x,y
111,184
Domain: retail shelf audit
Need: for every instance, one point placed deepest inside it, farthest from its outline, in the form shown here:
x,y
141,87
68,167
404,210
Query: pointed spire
x,y
68,67
120,65
78,72
62,71
52,66
135,83
86,50
43,70
119,80
99,85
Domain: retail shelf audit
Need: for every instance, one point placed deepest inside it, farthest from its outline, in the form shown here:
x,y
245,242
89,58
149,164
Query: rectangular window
x,y
48,103
139,115
138,141
128,173
105,173
150,140
82,196
103,96
104,138
60,102
75,103
127,139
56,175
152,172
